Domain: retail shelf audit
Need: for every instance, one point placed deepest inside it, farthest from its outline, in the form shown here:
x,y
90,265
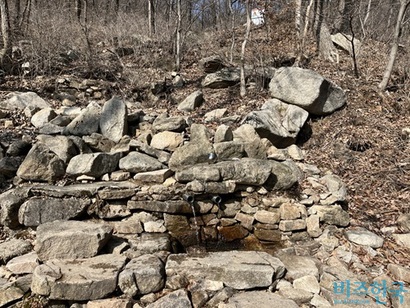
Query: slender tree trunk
x,y
5,52
233,31
248,30
302,39
178,38
151,17
78,9
395,46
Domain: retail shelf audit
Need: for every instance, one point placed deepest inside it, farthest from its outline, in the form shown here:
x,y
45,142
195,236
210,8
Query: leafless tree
x,y
404,4
247,33
5,52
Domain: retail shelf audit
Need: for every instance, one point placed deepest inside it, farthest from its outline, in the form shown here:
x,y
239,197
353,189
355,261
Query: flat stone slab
x,y
364,237
13,248
171,207
39,210
70,239
80,190
236,269
260,299
176,299
78,280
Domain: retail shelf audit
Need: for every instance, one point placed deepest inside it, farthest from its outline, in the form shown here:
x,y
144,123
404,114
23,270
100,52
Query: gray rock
x,y
157,176
298,266
299,296
24,264
142,275
260,299
62,146
193,101
172,206
109,303
19,100
87,122
149,243
224,78
39,210
163,156
42,117
236,269
404,222
292,225
331,214
99,143
113,121
308,283
212,64
364,237
190,154
138,162
399,273
13,248
95,164
41,165
336,187
229,150
173,124
78,280
345,42
177,299
10,165
402,239
205,173
295,152
215,115
166,140
70,239
306,89
254,147
84,190
277,121
267,217
18,148
10,294
223,133
51,129
10,202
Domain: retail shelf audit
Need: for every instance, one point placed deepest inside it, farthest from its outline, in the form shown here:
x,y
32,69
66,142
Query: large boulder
x,y
39,210
277,121
95,164
70,239
113,121
306,89
86,123
193,101
224,78
78,280
63,146
236,269
20,101
41,164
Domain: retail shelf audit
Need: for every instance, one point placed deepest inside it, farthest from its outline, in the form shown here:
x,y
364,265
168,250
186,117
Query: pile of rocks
x,y
119,235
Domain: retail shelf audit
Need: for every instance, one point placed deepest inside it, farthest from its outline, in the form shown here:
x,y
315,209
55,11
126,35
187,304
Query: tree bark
x,y
178,38
248,30
5,52
404,4
151,17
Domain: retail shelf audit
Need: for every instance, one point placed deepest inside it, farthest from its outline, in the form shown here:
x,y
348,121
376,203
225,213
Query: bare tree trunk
x,y
395,46
303,36
151,17
233,30
248,30
78,9
178,38
5,52
298,20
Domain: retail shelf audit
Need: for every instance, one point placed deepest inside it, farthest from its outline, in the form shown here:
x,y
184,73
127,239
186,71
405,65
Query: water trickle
x,y
190,199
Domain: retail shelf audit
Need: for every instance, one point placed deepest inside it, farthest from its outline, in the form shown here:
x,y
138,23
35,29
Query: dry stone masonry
x,y
122,208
